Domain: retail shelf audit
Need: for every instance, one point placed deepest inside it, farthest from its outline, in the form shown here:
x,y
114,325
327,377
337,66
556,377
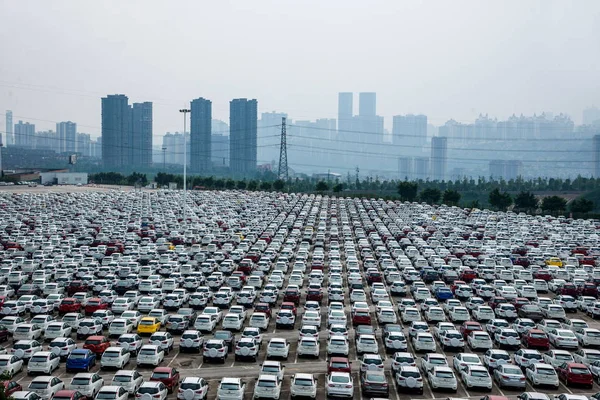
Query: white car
x,y
496,325
506,311
133,316
494,357
205,323
561,338
557,357
56,330
525,357
339,384
278,347
387,316
46,386
588,337
163,339
43,362
120,326
24,349
62,346
410,378
434,314
27,332
523,325
303,385
507,337
233,322
309,346
451,338
338,345
131,342
312,318
433,360
267,386
246,348
115,357
371,362
424,342
554,311
459,314
259,320
542,374
113,393
476,376
366,344
10,365
157,390
479,340
442,378
89,327
460,360
231,388
483,313
150,355
87,383
129,380
411,314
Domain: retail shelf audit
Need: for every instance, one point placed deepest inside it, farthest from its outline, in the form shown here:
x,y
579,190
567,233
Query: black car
x,y
430,276
531,311
374,383
227,337
29,289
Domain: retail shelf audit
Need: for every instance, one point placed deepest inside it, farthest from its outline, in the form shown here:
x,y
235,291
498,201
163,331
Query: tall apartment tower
x,y
141,134
409,131
345,113
367,104
116,129
25,135
439,157
201,135
596,155
10,138
242,135
67,136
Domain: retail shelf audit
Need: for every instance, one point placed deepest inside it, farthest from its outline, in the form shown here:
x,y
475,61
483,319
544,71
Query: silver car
x,y
507,375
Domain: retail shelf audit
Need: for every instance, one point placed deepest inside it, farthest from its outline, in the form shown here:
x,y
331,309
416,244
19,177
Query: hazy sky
x,y
446,59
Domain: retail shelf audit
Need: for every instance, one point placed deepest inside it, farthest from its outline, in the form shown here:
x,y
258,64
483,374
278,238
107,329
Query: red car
x,y
69,304
95,304
239,274
167,375
361,317
536,338
11,387
246,266
70,395
2,300
96,344
339,364
589,289
286,305
317,264
292,295
496,300
314,295
467,275
470,326
588,260
519,302
456,284
542,274
264,308
374,276
570,289
575,373
76,286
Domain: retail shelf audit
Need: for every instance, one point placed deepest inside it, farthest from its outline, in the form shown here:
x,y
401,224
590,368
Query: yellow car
x,y
148,325
554,261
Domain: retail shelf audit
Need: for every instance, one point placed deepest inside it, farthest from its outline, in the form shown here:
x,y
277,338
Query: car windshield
x,y
38,359
148,352
580,371
480,374
303,382
106,395
339,365
38,385
340,379
230,386
379,378
77,356
266,383
546,371
512,370
122,378
444,374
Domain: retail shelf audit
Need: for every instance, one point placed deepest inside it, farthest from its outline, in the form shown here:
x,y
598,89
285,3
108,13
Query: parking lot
x,y
149,225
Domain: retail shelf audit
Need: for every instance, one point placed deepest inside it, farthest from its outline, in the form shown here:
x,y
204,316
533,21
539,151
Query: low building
x,y
64,178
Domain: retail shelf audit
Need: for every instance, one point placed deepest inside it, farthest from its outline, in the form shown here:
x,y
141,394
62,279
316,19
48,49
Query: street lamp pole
x,y
184,111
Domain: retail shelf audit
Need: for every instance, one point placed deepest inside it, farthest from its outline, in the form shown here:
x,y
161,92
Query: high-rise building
x,y
409,131
200,134
67,136
10,138
220,143
591,116
505,169
439,157
141,134
405,167
367,104
242,136
116,131
84,142
345,113
596,148
25,135
421,168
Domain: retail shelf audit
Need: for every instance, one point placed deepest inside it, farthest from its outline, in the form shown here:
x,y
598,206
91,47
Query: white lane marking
x,y
565,386
173,359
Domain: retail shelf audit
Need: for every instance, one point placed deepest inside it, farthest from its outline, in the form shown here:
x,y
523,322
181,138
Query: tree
x,y
278,185
241,185
526,201
582,206
554,204
322,186
230,184
500,201
338,187
252,185
451,197
474,204
265,185
408,191
431,195
5,376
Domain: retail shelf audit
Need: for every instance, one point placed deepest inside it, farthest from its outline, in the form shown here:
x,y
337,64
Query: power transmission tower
x,y
283,162
357,181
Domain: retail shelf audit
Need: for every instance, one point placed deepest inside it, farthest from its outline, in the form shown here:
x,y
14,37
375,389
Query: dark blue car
x,y
443,293
81,360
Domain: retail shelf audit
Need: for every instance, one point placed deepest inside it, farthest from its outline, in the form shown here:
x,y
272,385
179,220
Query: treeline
x,y
115,178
